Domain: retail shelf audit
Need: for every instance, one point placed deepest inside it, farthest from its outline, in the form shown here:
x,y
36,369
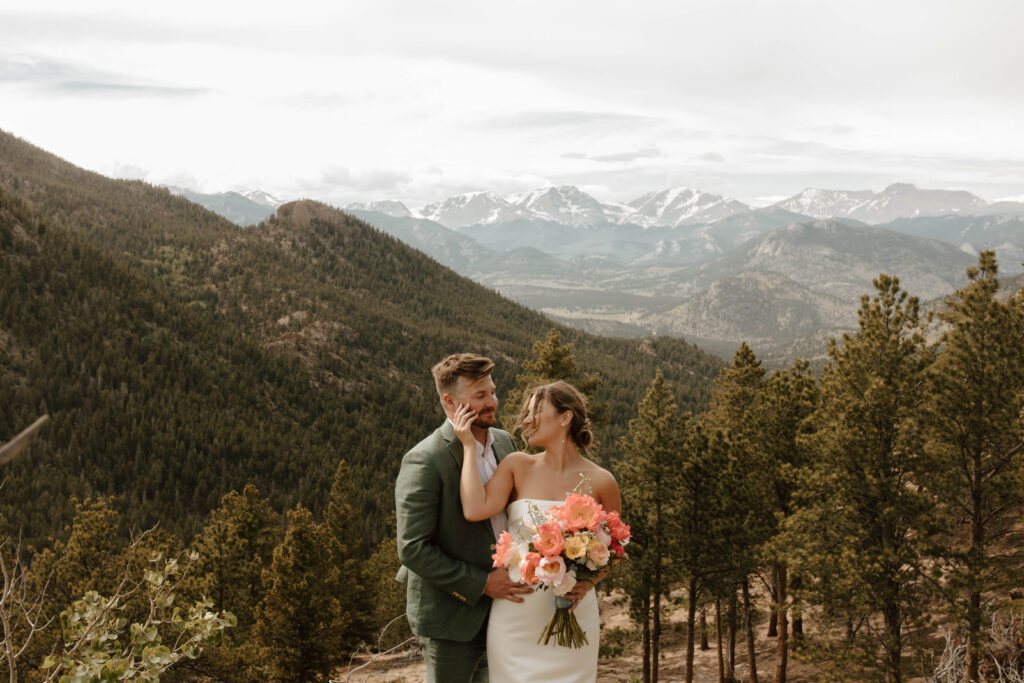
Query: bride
x,y
554,418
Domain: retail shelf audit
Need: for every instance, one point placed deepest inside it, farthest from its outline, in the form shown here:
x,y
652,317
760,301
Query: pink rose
x,y
618,530
505,546
528,567
549,540
581,512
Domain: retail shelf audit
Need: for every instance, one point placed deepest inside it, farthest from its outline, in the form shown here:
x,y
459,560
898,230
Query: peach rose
x,y
528,567
505,546
549,540
581,512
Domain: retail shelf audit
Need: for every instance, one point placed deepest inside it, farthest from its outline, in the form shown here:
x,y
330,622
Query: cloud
x,y
712,156
363,179
648,152
66,77
575,119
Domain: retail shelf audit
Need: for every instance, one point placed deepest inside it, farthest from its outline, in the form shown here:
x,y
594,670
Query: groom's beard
x,y
485,419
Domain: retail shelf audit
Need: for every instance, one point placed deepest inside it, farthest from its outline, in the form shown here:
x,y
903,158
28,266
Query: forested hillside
x,y
182,357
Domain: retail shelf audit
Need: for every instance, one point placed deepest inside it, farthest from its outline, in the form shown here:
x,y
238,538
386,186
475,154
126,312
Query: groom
x,y
446,561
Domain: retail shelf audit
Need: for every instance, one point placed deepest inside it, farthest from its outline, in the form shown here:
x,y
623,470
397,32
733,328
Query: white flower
x,y
602,535
515,558
565,585
551,570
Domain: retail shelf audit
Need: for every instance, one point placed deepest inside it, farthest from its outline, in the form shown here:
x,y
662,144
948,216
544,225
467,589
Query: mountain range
x,y
706,267
679,206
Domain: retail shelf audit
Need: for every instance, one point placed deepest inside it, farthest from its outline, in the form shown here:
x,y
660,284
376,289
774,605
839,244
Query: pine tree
x,y
737,395
705,520
976,427
233,549
862,530
389,625
300,621
779,421
347,551
552,361
650,488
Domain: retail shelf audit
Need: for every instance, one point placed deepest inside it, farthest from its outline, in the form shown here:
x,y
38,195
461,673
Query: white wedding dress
x,y
513,654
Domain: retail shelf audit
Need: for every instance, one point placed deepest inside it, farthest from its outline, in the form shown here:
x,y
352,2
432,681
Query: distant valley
x,y
709,268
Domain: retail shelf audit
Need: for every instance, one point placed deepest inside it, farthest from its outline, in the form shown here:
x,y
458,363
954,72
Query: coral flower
x,y
528,567
506,545
549,539
551,570
618,530
581,512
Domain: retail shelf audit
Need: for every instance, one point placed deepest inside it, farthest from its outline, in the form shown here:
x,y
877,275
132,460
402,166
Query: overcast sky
x,y
357,100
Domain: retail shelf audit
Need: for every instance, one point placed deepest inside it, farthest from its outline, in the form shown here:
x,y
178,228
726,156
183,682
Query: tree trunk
x,y
718,639
730,669
691,618
646,636
893,635
797,609
773,619
749,627
780,607
656,630
974,556
704,646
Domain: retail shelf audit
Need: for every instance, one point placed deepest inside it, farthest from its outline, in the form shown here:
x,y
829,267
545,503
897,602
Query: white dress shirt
x,y
486,464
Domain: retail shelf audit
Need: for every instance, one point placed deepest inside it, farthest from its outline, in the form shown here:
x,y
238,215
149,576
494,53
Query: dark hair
x,y
564,397
447,372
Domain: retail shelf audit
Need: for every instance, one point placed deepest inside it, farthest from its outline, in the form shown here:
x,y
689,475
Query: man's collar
x,y
490,434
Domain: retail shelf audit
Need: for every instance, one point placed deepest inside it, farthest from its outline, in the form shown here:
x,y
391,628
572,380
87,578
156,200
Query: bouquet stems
x,y
564,627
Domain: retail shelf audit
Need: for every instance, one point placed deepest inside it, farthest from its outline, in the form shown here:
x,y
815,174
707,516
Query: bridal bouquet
x,y
571,542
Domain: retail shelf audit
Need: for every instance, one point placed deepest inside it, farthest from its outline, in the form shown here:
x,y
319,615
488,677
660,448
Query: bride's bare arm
x,y
479,502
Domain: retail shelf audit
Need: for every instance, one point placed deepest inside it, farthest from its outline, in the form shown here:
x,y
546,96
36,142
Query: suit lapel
x,y
502,447
454,445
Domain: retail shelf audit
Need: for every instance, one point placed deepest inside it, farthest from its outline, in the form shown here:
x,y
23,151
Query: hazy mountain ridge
x,y
313,318
247,208
899,200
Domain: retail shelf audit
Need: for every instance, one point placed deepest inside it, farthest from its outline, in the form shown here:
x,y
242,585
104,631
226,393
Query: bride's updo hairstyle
x,y
564,397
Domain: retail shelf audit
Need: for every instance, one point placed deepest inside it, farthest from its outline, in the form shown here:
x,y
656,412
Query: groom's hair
x,y
469,365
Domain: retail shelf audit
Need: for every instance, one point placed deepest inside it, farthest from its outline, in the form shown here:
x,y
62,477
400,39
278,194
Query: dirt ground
x,y
407,667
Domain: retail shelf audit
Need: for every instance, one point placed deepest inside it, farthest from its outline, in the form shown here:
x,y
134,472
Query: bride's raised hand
x,y
463,420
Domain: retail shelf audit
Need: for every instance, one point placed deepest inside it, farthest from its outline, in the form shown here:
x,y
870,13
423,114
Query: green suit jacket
x,y
445,559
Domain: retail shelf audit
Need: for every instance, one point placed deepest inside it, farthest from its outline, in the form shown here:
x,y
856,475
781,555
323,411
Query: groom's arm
x,y
417,499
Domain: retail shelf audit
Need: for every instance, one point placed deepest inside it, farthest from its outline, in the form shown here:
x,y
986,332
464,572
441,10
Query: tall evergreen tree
x,y
233,548
704,518
736,395
779,424
648,477
552,360
862,533
976,429
300,621
348,553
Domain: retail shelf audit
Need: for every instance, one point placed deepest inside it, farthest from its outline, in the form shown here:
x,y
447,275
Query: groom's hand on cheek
x,y
500,586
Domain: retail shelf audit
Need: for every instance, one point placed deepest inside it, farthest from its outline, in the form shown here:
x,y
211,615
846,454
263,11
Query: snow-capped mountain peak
x,y
681,205
388,207
898,200
469,208
264,198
